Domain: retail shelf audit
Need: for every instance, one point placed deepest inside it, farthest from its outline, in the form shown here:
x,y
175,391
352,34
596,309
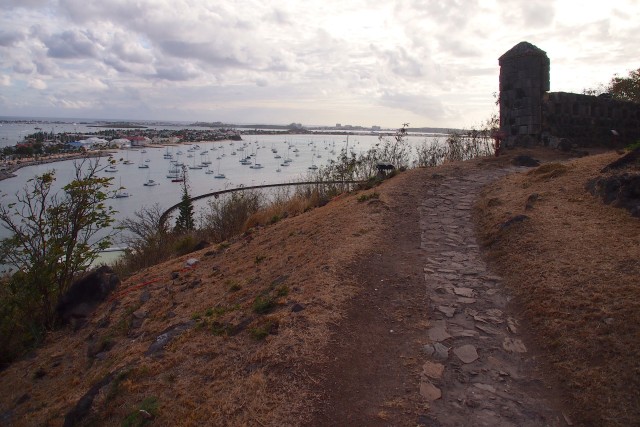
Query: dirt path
x,y
430,339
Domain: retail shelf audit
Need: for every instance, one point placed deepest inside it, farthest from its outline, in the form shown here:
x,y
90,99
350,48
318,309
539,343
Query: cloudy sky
x,y
360,62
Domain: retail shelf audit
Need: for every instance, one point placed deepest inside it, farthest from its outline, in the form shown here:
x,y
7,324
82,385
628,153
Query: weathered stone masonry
x,y
530,114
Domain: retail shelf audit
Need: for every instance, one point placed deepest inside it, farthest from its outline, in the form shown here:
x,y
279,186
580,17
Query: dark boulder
x,y
629,159
527,161
86,294
622,191
513,220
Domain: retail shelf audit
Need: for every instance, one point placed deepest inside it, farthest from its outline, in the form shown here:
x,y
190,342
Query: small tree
x,y
185,221
146,238
622,88
54,237
626,88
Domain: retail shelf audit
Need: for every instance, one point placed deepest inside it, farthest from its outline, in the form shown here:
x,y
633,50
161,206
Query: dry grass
x,y
222,370
573,267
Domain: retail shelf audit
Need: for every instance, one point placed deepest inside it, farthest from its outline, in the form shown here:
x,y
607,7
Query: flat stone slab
x,y
429,391
433,370
438,333
485,387
463,292
466,353
447,311
487,329
514,345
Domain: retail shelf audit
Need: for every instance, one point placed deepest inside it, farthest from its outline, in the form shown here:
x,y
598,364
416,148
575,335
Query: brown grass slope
x,y
242,355
574,267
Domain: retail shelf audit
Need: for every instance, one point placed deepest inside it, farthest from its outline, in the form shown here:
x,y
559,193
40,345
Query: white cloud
x,y
37,84
316,60
5,80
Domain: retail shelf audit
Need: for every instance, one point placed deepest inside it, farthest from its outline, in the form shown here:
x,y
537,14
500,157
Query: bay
x,y
303,149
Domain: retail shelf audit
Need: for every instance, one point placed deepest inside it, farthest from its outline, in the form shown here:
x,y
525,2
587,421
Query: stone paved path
x,y
477,371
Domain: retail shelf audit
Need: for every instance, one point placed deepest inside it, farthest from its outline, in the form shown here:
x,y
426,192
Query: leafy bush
x,y
54,238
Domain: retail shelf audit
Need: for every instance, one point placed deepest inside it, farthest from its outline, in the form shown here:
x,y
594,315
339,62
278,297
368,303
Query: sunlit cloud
x,y
370,62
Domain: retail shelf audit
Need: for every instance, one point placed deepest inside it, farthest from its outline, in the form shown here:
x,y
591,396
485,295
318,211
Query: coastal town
x,y
46,147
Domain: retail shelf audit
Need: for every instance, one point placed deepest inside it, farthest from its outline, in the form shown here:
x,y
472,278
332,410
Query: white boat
x,y
256,165
219,175
127,161
150,183
313,166
112,169
142,164
120,194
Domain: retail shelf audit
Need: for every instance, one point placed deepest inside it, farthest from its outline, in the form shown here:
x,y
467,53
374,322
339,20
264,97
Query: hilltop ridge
x,y
325,316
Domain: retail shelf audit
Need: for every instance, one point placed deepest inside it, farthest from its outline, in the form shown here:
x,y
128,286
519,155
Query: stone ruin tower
x,y
524,82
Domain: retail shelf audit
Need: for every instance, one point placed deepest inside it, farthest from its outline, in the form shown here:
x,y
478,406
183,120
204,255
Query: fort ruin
x,y
531,115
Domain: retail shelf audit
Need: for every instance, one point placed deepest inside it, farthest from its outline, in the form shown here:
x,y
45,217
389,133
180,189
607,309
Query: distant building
x,y
375,127
83,145
121,143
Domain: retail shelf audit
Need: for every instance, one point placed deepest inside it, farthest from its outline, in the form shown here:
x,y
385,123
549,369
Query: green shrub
x,y
263,304
262,331
136,418
369,196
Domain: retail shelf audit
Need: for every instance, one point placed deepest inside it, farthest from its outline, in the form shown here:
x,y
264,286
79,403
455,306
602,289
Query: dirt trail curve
x,y
430,340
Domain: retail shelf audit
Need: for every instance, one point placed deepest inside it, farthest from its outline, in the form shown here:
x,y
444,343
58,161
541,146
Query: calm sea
x,y
311,149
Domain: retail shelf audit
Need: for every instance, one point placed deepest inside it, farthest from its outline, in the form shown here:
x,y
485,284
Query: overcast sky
x,y
425,62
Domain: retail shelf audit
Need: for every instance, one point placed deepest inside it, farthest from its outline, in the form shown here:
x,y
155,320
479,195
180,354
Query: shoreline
x,y
9,172
11,168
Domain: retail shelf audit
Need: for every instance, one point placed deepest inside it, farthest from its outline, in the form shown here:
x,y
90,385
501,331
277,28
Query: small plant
x,y
220,329
144,414
234,286
263,304
262,331
114,389
196,316
282,291
369,196
633,146
209,312
274,219
259,259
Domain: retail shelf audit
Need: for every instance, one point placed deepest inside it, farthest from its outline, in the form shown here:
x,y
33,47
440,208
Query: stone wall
x,y
588,120
530,115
